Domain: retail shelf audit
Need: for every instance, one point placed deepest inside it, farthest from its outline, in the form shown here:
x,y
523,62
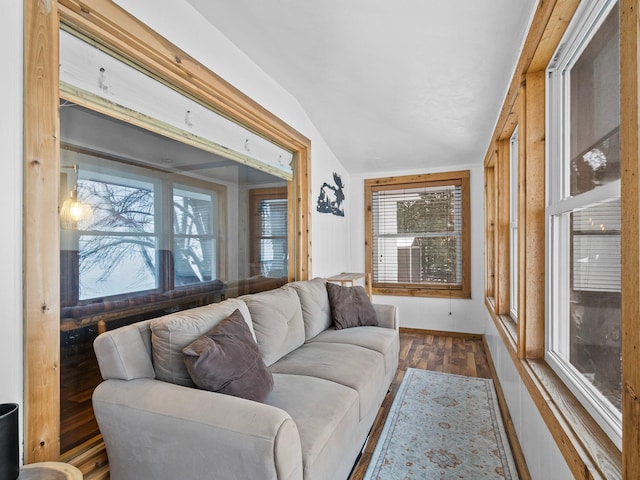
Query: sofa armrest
x,y
387,316
154,429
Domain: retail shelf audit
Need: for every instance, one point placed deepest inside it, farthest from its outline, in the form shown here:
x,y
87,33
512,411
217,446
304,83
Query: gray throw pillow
x,y
226,360
350,306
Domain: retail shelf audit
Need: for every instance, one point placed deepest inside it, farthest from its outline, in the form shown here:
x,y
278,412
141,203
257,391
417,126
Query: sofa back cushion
x,y
171,333
316,311
277,321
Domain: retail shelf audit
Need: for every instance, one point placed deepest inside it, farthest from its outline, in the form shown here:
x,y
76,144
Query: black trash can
x,y
9,468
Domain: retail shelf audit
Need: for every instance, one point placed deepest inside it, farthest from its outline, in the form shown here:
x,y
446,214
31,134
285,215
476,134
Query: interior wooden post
x,y
534,218
630,235
503,230
41,233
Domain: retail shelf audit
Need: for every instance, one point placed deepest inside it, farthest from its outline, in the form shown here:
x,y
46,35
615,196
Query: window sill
x,y
587,450
419,291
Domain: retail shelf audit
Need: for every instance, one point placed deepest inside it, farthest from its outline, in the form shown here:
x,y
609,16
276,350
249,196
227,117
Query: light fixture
x,y
72,210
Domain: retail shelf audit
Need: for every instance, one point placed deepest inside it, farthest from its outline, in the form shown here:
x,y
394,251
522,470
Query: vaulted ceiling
x,y
390,85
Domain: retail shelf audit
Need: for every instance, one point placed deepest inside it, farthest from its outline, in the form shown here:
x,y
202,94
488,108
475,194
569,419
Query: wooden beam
x,y
522,227
41,233
490,230
503,231
533,314
630,236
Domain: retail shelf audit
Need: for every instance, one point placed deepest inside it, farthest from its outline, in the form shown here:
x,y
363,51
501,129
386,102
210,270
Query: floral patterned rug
x,y
443,426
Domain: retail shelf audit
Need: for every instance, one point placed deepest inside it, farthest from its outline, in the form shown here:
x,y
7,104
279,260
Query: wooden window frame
x,y
107,24
256,195
461,178
588,451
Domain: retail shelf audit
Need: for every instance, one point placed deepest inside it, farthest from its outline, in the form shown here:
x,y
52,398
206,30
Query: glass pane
x,y
273,257
595,302
194,259
116,206
154,226
193,212
417,235
113,265
595,110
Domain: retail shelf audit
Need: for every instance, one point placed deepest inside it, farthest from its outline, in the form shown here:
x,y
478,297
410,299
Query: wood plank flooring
x,y
437,351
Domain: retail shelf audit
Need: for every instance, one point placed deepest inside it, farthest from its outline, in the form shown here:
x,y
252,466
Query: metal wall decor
x,y
331,197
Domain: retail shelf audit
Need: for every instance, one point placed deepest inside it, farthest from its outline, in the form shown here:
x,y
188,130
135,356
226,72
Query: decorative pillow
x,y
226,360
350,306
171,333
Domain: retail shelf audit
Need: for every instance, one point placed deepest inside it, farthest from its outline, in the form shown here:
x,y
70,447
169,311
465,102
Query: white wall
x,y
540,450
454,315
182,25
11,337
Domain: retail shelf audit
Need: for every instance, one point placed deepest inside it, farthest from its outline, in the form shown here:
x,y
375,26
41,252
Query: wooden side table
x,y
351,278
49,471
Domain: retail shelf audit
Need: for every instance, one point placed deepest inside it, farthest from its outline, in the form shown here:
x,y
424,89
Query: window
x,y
583,214
513,225
195,213
269,209
127,244
118,243
418,235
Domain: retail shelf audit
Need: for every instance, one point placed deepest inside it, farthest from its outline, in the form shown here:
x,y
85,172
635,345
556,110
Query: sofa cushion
x,y
226,360
350,365
379,339
171,333
314,301
350,306
326,414
277,320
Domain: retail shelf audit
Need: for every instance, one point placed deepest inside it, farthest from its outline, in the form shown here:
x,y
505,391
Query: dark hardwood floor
x,y
441,352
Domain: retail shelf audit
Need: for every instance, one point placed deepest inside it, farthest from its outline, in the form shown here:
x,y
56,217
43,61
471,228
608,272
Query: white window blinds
x,y
417,235
596,247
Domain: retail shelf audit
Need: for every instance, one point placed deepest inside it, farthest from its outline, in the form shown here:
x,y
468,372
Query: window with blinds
x,y
596,247
269,227
419,234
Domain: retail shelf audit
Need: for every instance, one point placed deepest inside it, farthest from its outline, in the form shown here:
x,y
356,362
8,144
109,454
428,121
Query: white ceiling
x,y
399,85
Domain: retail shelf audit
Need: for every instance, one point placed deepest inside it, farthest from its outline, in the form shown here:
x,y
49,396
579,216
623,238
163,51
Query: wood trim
x,y
630,198
420,331
257,195
503,231
532,314
461,178
113,27
522,227
490,229
41,233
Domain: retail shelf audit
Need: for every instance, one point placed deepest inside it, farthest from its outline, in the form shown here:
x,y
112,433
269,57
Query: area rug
x,y
443,426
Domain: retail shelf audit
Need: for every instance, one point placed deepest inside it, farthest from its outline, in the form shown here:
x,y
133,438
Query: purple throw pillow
x,y
226,360
350,307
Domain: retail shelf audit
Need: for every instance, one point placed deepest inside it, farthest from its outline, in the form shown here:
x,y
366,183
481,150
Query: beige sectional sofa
x,y
327,387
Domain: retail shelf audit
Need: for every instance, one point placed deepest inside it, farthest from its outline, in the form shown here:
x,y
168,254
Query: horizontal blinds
x,y
596,247
272,227
417,235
